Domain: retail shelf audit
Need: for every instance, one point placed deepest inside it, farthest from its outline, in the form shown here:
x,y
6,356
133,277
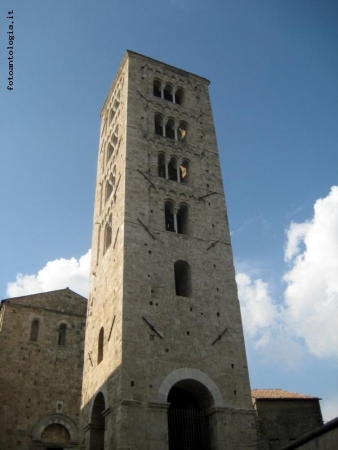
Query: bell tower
x,y
165,363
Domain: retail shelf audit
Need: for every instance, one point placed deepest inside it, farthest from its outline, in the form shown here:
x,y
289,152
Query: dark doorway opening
x,y
188,422
97,423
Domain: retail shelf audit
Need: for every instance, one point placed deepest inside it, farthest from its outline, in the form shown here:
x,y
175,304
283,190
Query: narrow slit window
x,y
62,334
100,346
182,278
35,330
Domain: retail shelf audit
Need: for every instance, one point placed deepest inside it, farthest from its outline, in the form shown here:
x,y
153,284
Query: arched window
x,y
172,169
34,330
183,220
182,131
111,115
115,138
161,165
100,346
170,129
116,105
179,96
182,279
169,216
168,93
110,151
184,172
108,234
109,189
62,334
157,89
159,129
110,184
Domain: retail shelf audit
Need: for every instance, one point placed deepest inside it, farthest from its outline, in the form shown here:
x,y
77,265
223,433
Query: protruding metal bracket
x,y
152,327
147,100
116,236
213,245
219,337
147,229
145,176
111,328
117,184
207,195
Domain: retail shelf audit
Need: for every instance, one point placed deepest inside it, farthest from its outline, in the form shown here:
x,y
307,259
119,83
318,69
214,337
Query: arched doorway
x,y
188,422
97,423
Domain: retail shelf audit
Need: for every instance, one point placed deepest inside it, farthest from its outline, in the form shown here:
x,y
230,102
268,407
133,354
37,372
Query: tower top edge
x,y
129,53
181,71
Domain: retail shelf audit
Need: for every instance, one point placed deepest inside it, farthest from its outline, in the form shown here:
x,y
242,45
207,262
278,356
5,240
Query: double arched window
x,y
176,219
168,92
173,169
170,128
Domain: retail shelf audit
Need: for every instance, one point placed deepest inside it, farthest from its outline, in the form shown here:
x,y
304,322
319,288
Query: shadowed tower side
x,y
165,363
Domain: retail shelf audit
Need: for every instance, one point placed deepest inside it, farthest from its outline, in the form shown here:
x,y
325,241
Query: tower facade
x,y
165,364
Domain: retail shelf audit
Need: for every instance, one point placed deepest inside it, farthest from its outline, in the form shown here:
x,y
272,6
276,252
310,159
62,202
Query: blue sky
x,y
273,67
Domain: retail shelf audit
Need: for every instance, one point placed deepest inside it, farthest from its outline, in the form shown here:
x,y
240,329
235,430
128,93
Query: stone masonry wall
x,y
39,378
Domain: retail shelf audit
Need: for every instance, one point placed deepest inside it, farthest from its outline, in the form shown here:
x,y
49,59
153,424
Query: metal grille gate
x,y
188,429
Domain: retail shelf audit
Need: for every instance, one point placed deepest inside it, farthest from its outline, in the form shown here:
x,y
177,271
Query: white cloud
x,y
57,274
263,322
258,312
311,296
295,236
309,311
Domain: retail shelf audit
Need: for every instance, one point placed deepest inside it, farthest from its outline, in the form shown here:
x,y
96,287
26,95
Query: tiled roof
x,y
278,394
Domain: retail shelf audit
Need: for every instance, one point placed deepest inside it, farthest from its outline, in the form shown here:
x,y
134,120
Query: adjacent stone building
x,y
165,363
282,416
323,438
41,362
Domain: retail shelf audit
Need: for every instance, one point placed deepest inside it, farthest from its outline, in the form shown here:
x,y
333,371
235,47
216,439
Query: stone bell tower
x,y
165,363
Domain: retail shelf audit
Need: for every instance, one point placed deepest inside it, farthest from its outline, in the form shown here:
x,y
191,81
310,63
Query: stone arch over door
x,y
190,374
55,419
192,396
